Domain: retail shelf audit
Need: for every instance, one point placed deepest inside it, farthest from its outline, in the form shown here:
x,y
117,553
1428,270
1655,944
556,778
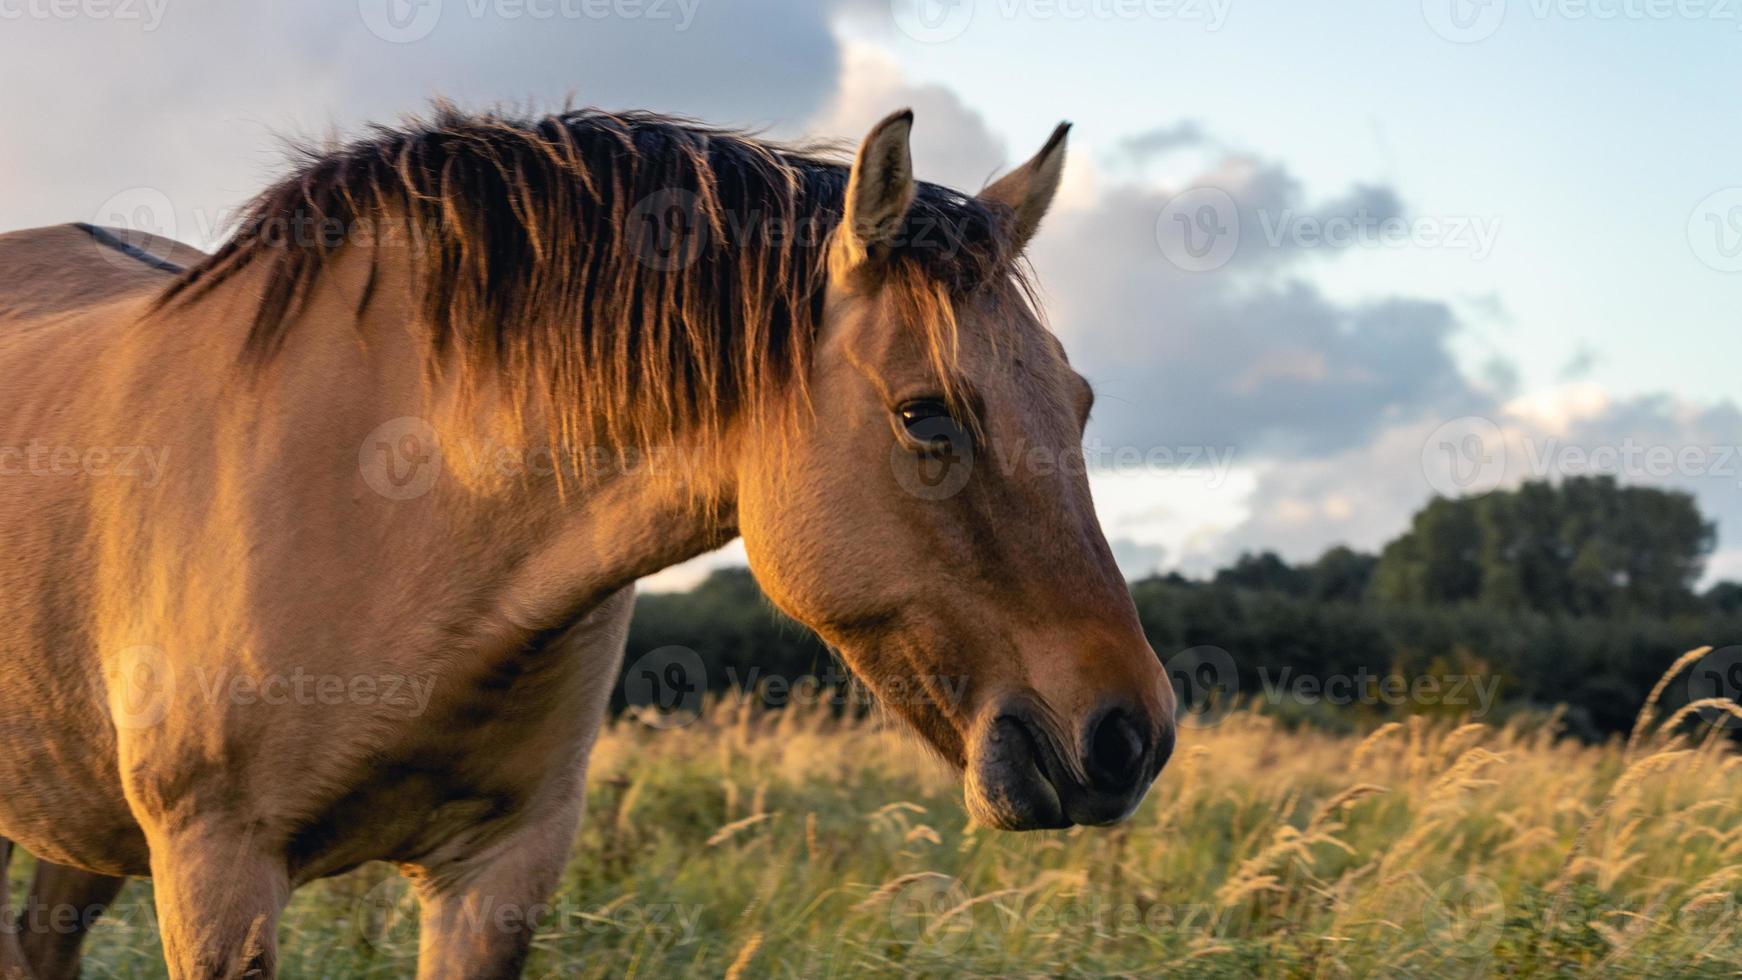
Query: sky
x,y
1321,261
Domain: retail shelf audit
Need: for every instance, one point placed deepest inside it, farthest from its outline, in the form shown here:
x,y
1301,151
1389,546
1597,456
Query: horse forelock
x,y
643,275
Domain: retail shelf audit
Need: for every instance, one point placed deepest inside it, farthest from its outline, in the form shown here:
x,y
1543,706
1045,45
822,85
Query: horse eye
x,y
928,421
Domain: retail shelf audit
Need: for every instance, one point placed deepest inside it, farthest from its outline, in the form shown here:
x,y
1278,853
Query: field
x,y
798,843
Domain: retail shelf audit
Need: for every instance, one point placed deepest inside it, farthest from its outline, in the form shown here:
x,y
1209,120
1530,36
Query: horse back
x,y
61,269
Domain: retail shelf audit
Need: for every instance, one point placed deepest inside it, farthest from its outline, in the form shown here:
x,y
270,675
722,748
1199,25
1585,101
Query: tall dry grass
x,y
798,843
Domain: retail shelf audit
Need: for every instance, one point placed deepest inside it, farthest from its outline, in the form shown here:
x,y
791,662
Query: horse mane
x,y
540,258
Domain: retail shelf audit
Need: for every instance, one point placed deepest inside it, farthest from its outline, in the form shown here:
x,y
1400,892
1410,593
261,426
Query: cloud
x,y
1162,140
951,143
1248,354
190,106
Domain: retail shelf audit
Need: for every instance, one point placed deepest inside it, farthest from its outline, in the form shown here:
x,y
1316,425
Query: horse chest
x,y
492,753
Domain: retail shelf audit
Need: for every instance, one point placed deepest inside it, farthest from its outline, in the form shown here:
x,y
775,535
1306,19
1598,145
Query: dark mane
x,y
647,271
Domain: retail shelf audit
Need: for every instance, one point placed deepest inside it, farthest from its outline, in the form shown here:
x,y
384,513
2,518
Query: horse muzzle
x,y
1023,774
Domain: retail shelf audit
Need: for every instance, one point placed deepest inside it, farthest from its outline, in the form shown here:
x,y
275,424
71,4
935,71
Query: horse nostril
x,y
1117,748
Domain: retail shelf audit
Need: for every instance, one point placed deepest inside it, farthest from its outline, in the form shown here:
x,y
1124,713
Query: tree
x,y
1265,572
1437,560
1341,574
1725,597
1584,546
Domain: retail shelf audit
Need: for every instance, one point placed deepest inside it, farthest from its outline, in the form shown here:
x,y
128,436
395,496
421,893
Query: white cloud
x,y
951,144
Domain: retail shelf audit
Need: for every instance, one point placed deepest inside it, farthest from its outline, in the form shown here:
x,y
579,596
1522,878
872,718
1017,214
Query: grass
x,y
796,843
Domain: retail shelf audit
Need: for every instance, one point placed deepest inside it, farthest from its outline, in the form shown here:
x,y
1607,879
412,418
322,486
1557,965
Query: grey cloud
x,y
1248,355
1162,140
952,145
1580,365
1137,559
191,108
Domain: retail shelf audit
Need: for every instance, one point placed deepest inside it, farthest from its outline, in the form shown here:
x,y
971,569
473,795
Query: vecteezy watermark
x,y
1715,229
1363,687
667,687
1206,684
1464,21
1475,234
44,459
135,216
400,458
408,693
934,914
386,918
1469,21
926,914
405,21
148,14
1201,229
670,229
1465,457
1463,916
403,458
1211,464
940,470
936,21
945,468
1717,675
143,681
1473,455
138,215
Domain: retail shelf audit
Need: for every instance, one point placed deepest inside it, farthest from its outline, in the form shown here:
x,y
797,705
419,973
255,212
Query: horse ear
x,y
880,189
1028,190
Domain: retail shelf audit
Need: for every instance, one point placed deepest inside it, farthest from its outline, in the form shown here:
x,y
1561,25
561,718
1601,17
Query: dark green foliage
x,y
1587,546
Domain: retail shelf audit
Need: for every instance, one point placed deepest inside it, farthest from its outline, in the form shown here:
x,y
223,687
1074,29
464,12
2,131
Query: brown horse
x,y
321,551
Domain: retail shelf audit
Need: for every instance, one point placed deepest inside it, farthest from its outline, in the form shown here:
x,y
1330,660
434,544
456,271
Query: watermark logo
x,y
667,230
1708,916
386,916
1464,21
36,458
664,687
1717,675
929,914
1715,230
400,21
401,458
1206,683
932,21
141,683
134,216
1199,229
405,21
1464,457
1475,234
1476,694
943,469
1464,915
147,13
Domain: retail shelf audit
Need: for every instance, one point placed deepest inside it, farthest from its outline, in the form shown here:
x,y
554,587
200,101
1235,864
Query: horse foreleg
x,y
64,903
478,918
218,901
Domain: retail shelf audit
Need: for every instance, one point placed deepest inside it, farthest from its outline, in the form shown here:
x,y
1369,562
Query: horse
x,y
322,547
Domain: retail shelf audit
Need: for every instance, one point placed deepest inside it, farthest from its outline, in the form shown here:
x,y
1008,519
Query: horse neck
x,y
517,533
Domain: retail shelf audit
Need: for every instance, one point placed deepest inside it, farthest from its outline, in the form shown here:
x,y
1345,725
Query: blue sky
x,y
1590,140
1565,174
